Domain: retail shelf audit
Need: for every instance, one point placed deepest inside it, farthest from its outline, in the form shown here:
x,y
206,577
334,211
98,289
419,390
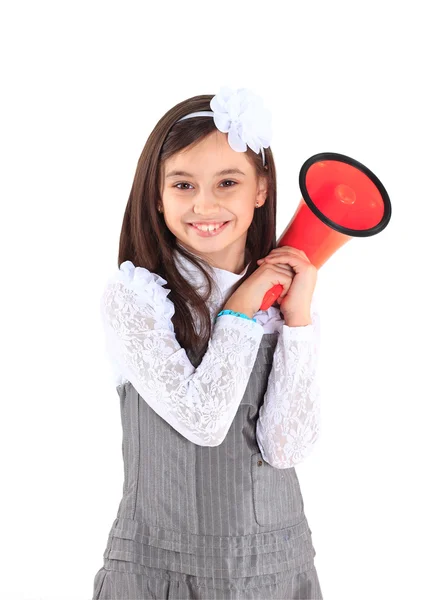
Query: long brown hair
x,y
146,240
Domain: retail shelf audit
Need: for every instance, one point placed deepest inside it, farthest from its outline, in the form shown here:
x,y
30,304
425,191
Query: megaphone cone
x,y
341,199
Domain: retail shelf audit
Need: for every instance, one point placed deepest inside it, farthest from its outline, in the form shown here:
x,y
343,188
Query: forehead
x,y
209,156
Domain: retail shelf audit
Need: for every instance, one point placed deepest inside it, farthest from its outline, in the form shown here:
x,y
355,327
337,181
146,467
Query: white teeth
x,y
208,227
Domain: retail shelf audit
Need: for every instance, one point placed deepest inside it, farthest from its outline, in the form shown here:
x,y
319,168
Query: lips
x,y
210,233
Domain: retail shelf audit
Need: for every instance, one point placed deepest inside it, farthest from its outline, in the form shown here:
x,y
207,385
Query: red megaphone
x,y
341,198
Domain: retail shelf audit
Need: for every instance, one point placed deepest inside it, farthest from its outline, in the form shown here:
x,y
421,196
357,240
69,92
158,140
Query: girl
x,y
218,398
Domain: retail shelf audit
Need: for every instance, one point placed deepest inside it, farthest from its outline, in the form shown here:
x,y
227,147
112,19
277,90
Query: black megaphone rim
x,y
354,163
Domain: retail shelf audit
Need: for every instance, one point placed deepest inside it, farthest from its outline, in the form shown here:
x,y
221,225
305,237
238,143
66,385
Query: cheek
x,y
246,213
171,207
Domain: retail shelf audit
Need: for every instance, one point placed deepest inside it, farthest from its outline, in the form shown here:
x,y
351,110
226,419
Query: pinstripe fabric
x,y
206,522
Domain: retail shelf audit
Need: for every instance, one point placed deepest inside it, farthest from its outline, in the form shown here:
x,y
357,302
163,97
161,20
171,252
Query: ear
x,y
261,191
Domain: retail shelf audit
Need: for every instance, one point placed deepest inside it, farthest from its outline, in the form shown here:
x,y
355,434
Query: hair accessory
x,y
241,114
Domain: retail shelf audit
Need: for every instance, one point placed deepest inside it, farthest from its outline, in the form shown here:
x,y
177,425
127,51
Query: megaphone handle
x,y
271,296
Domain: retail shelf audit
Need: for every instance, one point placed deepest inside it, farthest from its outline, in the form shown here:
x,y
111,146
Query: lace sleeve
x,y
199,403
289,419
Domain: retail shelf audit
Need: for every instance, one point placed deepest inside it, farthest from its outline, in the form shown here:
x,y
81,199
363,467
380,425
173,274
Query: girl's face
x,y
200,192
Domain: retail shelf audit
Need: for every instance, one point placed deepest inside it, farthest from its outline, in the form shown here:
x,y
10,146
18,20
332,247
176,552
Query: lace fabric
x,y
289,420
201,403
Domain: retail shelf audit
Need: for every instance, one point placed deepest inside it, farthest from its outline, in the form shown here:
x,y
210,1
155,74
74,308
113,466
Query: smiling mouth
x,y
203,225
211,231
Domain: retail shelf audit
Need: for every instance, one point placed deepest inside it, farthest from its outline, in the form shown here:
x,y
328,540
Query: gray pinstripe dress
x,y
199,522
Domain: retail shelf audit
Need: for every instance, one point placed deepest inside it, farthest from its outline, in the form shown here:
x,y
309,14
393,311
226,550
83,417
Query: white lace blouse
x,y
200,403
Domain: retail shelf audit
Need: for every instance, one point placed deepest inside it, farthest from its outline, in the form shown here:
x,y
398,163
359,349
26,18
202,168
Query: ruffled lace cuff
x,y
149,292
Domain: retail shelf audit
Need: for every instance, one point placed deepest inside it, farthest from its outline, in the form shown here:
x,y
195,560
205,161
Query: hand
x,y
295,303
250,294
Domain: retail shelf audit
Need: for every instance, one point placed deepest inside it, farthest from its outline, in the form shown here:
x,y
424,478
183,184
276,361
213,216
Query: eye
x,y
185,183
229,181
181,183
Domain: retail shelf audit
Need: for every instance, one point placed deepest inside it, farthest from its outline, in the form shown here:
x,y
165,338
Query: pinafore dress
x,y
206,523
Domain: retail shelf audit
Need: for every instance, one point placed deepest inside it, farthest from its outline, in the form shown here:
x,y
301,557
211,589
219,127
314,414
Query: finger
x,y
297,263
285,253
283,266
287,249
275,261
292,260
279,255
283,269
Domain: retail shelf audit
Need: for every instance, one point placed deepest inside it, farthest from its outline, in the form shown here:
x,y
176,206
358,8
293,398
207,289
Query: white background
x,y
84,83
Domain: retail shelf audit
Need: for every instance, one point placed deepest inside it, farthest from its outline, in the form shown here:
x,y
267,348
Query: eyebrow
x,y
223,172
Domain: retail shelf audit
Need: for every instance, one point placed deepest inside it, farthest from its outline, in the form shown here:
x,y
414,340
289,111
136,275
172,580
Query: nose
x,y
206,204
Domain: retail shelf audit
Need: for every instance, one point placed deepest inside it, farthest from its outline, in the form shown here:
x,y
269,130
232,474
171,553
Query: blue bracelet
x,y
237,314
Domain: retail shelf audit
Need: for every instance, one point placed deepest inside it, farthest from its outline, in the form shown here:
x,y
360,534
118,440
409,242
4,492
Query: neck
x,y
227,263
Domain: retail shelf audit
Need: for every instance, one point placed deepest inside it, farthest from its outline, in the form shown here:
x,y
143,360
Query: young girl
x,y
219,399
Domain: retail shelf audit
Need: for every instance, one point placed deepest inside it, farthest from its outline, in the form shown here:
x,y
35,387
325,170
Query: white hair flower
x,y
241,114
